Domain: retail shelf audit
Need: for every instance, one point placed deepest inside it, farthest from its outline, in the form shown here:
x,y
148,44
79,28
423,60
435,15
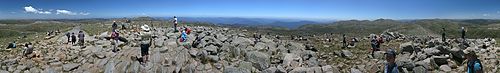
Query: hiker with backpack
x,y
81,37
474,65
146,39
391,66
115,37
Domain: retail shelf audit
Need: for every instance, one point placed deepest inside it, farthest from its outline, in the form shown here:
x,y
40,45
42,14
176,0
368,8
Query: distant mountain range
x,y
237,21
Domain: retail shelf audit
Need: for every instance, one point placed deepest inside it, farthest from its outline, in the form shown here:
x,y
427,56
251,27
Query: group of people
x,y
473,64
72,38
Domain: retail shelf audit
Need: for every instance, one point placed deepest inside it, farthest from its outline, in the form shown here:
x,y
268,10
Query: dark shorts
x,y
145,49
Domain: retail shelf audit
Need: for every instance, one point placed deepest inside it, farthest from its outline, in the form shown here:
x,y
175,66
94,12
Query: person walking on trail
x,y
443,35
81,38
73,38
146,39
344,41
391,66
175,24
474,65
69,37
115,37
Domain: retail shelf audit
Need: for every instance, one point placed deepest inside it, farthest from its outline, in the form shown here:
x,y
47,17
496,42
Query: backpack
x,y
472,66
114,35
188,30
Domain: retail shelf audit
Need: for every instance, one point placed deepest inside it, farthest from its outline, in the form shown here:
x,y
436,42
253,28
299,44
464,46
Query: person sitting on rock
x,y
73,38
11,45
473,63
28,49
391,66
146,39
183,39
81,37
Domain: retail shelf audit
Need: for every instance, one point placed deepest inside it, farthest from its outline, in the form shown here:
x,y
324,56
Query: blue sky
x,y
301,9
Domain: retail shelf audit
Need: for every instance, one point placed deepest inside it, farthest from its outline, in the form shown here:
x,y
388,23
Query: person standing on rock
x,y
146,39
175,24
473,63
374,44
463,33
73,38
114,26
391,66
443,35
69,37
81,37
344,41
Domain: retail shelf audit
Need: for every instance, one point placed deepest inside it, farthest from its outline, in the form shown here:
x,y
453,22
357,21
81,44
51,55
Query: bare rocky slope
x,y
221,50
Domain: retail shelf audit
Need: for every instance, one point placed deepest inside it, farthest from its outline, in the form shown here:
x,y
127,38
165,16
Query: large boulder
x,y
346,53
428,64
235,70
419,69
70,67
445,68
260,60
407,47
440,60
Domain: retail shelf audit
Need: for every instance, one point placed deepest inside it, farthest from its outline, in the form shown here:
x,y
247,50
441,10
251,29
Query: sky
x,y
300,9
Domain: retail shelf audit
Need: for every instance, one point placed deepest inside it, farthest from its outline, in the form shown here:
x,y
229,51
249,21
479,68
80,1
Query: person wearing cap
x,y
391,66
146,39
473,63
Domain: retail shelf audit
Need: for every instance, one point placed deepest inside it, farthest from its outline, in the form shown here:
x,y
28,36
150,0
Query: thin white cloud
x,y
84,13
30,9
65,12
486,14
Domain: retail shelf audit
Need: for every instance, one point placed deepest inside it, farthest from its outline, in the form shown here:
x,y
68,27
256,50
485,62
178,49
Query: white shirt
x,y
175,20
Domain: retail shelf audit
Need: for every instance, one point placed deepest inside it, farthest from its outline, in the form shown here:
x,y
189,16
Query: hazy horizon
x,y
288,9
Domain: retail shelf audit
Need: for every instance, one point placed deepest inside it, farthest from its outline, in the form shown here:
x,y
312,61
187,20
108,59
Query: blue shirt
x,y
394,69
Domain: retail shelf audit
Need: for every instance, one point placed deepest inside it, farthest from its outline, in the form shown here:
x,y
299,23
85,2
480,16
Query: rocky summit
x,y
220,50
